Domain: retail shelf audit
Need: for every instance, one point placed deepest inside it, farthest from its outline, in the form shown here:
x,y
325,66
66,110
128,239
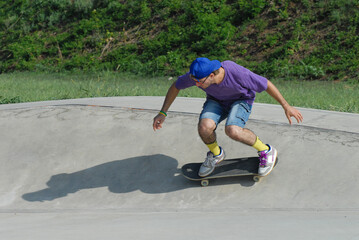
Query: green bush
x,y
311,39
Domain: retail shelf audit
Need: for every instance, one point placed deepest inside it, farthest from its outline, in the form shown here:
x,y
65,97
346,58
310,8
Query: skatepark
x,y
95,169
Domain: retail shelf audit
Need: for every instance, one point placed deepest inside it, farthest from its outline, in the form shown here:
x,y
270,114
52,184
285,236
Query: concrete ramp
x,y
71,170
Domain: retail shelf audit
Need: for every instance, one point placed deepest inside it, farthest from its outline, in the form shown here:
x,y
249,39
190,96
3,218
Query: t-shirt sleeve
x,y
256,82
184,81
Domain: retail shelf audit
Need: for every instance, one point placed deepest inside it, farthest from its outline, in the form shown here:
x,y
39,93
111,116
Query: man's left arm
x,y
289,110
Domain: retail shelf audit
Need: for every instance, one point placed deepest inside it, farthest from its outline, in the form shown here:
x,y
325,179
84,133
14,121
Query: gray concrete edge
x,y
323,119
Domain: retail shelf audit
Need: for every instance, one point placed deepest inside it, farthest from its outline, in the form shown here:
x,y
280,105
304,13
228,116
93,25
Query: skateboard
x,y
226,168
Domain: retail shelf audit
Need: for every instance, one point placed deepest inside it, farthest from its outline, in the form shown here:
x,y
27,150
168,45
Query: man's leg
x,y
206,130
237,119
211,115
245,136
238,116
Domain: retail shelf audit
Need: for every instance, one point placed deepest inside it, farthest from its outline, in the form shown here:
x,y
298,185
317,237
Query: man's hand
x,y
292,112
158,121
289,110
170,97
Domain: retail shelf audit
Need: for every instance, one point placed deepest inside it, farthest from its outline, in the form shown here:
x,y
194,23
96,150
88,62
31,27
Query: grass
x,y
31,87
333,96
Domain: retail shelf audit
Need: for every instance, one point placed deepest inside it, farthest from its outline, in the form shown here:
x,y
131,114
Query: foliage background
x,y
308,39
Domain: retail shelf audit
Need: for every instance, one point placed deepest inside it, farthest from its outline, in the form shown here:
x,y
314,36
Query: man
x,y
230,90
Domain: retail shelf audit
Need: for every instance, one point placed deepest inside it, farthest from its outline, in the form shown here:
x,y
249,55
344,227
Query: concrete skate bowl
x,y
97,158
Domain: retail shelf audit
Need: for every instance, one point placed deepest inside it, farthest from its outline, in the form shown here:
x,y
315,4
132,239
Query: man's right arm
x,y
170,97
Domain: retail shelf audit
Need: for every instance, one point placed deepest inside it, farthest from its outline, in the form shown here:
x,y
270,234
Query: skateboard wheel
x,y
256,178
204,183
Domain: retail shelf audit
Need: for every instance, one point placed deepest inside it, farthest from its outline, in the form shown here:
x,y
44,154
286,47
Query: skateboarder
x,y
230,90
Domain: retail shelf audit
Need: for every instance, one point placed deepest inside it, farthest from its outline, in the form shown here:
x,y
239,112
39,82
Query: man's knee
x,y
234,131
206,126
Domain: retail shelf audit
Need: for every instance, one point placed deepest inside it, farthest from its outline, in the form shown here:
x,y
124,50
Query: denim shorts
x,y
237,113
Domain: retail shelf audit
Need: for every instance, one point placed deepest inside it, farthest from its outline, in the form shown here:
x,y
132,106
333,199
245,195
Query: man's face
x,y
203,82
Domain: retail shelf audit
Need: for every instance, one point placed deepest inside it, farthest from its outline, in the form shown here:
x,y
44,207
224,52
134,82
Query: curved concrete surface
x,y
95,169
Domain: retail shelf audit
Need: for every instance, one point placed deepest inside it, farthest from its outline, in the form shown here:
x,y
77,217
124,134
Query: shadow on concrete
x,y
150,174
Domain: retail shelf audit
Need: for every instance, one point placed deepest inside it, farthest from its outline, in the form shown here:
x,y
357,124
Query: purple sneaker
x,y
267,160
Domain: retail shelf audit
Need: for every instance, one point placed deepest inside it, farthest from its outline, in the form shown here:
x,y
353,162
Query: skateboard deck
x,y
227,168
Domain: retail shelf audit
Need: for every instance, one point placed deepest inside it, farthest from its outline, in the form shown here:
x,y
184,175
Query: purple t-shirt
x,y
239,83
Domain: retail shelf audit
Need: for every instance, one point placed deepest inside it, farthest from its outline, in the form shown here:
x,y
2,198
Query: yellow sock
x,y
260,146
214,148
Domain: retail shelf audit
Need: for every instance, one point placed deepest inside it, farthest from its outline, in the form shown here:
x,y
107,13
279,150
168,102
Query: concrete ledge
x,y
348,122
